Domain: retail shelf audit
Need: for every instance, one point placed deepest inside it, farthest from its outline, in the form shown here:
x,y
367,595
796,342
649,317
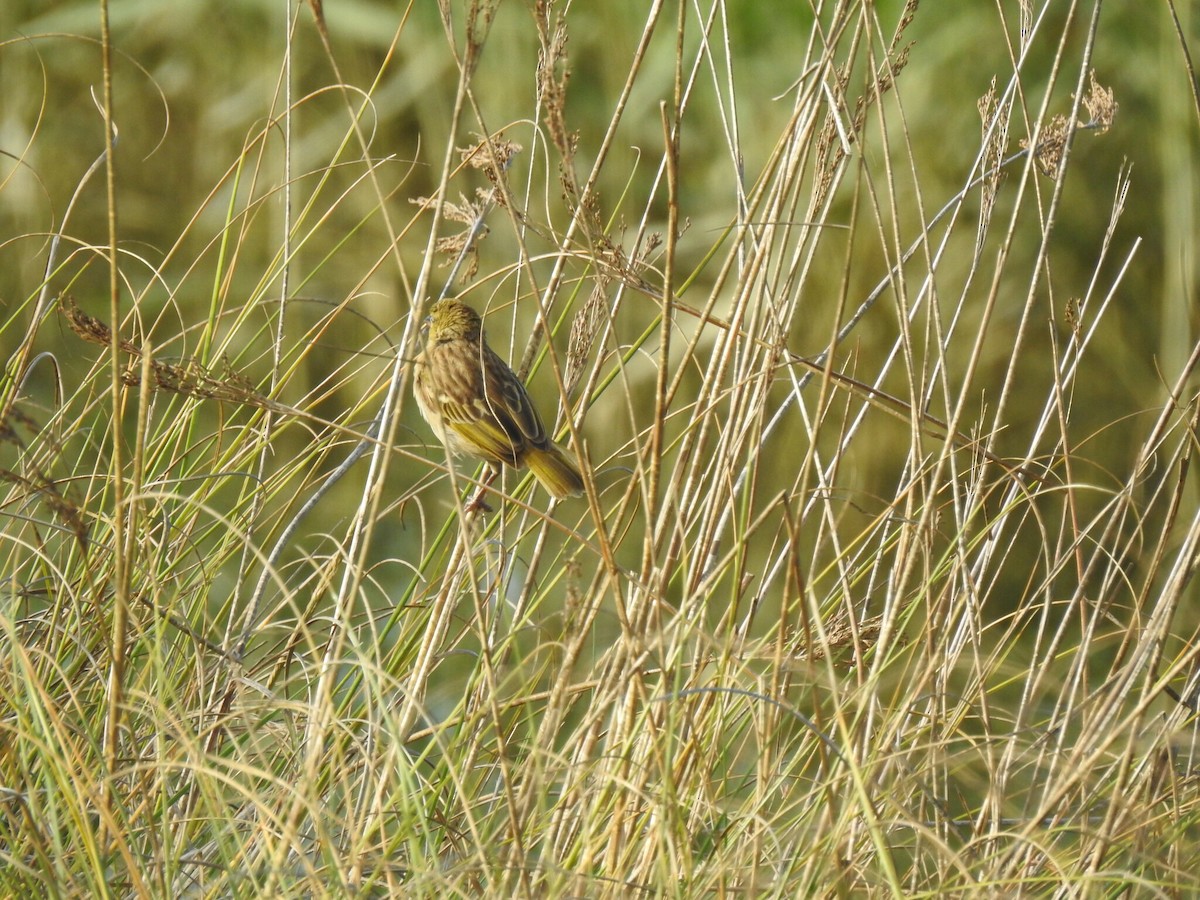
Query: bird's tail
x,y
557,473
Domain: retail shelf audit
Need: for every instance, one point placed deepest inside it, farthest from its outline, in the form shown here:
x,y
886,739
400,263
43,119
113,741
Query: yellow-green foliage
x,y
870,323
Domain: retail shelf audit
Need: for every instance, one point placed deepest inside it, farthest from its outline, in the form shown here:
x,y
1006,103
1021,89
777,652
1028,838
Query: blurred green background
x,y
198,86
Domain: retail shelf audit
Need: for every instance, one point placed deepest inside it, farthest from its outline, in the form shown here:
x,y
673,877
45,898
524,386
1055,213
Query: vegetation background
x,y
874,322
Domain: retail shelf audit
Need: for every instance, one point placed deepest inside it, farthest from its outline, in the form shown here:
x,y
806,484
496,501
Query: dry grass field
x,y
871,326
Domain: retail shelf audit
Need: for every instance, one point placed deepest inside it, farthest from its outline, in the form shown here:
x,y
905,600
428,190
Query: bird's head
x,y
450,320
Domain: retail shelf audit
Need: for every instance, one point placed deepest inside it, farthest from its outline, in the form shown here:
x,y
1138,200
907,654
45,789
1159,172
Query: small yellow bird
x,y
477,406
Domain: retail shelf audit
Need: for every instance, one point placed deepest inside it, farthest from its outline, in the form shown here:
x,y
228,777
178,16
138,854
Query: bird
x,y
478,407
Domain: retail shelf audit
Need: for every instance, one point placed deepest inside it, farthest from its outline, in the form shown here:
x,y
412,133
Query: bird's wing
x,y
507,400
493,417
482,436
